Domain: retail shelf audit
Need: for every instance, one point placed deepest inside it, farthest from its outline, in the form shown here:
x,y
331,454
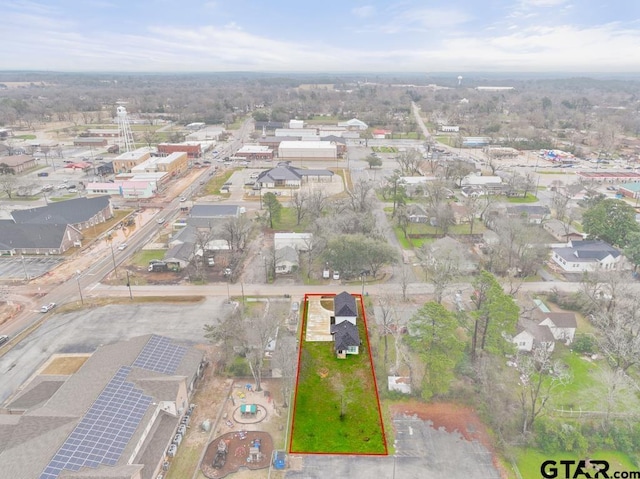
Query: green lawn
x,y
328,386
519,199
587,391
25,137
143,257
287,221
384,149
530,460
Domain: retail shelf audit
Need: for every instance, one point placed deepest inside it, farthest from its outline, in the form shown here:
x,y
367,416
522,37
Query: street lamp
x,y
79,287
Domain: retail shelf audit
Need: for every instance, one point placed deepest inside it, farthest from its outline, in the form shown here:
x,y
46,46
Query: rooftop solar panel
x,y
105,430
161,355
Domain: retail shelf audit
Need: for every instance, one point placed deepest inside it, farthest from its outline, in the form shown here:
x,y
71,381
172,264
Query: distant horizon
x,y
359,36
470,75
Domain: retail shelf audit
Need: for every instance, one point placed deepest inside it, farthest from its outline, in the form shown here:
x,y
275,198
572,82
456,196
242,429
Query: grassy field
x,y
65,365
519,199
588,389
142,258
530,460
336,405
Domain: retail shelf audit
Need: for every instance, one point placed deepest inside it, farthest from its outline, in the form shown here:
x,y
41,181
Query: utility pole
x,y
79,287
113,257
129,286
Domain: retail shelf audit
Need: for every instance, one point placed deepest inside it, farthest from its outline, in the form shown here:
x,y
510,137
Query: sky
x,y
321,36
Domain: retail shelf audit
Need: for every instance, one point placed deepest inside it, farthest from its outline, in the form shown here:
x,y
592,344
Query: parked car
x,y
336,275
159,266
47,307
43,173
211,261
295,306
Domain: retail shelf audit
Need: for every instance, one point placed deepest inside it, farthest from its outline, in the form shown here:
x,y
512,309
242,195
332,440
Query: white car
x,y
122,246
336,275
48,307
254,175
160,221
183,199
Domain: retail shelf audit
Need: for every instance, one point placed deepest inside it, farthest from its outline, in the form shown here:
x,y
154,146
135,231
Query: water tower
x,y
125,135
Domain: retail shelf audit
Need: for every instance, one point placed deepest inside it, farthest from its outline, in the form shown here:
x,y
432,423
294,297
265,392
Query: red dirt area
x,y
238,449
452,417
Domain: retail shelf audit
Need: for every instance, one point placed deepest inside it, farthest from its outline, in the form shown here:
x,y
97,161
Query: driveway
x,y
318,321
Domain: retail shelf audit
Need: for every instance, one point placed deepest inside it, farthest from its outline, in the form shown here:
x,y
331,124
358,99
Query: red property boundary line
x,y
373,372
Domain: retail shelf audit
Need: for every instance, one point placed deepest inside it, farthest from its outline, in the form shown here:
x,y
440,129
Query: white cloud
x,y
364,11
542,3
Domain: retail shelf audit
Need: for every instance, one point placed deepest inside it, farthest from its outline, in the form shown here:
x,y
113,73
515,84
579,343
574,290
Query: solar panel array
x,y
161,355
105,430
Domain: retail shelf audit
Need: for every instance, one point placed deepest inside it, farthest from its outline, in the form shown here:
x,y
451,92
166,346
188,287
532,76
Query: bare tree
x,y
441,267
285,359
361,196
235,232
539,376
409,162
9,183
299,204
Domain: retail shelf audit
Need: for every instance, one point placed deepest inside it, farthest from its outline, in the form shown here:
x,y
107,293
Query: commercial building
x,y
307,150
91,142
255,152
124,162
173,164
19,163
192,148
116,416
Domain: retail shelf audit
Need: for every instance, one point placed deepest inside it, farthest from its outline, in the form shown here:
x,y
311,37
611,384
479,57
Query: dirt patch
x,y
451,417
239,445
65,365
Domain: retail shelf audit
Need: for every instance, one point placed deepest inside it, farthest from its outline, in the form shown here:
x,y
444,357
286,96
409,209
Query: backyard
x,y
336,408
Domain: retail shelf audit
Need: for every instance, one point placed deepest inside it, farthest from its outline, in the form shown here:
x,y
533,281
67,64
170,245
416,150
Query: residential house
x,y
286,260
586,255
299,241
530,335
562,231
346,339
533,214
417,213
562,325
344,308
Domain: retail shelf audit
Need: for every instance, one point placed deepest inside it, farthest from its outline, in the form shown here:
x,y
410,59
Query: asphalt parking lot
x,y
84,330
422,452
18,268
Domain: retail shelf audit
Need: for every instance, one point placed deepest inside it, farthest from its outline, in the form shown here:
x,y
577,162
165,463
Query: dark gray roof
x,y
214,211
540,333
334,138
344,305
279,173
561,319
38,391
345,335
586,251
63,212
31,235
183,252
284,172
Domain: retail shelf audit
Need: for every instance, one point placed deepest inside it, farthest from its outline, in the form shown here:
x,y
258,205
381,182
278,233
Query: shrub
x,y
584,344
